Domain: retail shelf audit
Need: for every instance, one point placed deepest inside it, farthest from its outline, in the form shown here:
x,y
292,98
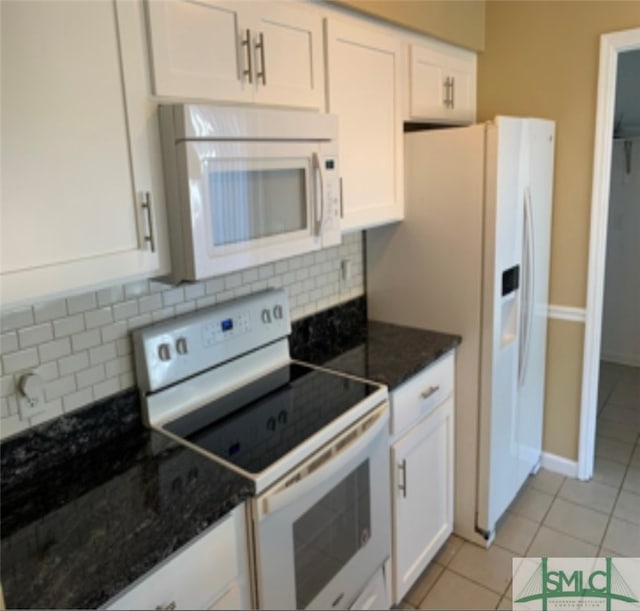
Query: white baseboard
x,y
621,359
559,464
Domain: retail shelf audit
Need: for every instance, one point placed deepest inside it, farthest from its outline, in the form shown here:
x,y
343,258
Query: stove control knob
x,y
164,352
266,316
271,424
277,312
181,345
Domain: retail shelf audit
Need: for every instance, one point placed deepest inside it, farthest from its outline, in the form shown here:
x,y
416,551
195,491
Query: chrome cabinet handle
x,y
446,92
403,467
425,394
341,200
453,92
317,224
170,607
248,72
263,73
146,206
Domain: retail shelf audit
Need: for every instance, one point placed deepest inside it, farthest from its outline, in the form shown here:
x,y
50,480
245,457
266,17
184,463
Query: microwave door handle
x,y
342,456
317,223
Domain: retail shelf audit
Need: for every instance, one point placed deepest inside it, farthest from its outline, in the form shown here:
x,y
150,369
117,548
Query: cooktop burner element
x,y
257,425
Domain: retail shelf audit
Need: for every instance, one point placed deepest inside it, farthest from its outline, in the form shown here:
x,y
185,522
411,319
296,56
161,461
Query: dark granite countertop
x,y
344,340
93,500
89,504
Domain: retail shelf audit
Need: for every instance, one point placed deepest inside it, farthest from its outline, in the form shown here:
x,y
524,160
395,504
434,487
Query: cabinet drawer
x,y
194,575
421,394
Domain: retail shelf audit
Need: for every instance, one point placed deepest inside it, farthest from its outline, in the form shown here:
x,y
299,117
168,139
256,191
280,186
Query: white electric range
x,y
314,442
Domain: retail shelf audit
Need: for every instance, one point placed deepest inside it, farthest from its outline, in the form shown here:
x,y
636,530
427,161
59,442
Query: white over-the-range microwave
x,y
246,186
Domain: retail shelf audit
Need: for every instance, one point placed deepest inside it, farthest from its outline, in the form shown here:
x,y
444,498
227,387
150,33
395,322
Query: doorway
x,y
612,49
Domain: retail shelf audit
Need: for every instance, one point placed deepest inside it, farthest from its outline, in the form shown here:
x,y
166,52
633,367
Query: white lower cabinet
x,y
422,480
210,573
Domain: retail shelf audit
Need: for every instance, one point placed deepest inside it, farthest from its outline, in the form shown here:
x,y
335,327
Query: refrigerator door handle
x,y
529,287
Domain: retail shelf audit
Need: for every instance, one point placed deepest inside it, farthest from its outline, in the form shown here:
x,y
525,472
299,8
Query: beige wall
x,y
458,21
541,59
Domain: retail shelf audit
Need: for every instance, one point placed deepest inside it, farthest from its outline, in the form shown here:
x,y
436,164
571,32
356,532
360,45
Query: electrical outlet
x,y
30,407
30,395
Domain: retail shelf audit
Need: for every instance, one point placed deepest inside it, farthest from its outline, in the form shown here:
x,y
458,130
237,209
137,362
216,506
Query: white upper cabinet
x,y
266,53
442,83
364,72
80,151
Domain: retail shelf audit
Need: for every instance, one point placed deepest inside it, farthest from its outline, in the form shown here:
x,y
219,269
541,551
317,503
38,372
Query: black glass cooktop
x,y
259,423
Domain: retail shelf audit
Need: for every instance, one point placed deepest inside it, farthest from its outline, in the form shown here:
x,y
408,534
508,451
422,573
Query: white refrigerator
x,y
472,258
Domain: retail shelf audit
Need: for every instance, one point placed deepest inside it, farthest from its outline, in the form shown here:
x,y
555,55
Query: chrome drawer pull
x,y
403,485
431,390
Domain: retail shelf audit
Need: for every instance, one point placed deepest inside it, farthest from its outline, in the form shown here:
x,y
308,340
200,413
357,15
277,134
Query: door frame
x,y
611,45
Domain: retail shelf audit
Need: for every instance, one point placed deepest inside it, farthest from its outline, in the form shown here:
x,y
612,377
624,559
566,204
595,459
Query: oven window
x,y
257,203
329,534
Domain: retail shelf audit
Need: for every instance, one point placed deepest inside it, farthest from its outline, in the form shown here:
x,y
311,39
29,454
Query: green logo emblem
x,y
545,584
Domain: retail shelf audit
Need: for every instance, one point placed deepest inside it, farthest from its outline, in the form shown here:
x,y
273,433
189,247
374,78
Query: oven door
x,y
322,533
249,203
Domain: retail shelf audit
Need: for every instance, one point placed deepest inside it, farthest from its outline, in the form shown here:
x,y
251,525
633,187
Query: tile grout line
x,y
620,488
444,570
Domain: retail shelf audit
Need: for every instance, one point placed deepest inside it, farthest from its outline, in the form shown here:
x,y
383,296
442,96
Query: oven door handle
x,y
367,429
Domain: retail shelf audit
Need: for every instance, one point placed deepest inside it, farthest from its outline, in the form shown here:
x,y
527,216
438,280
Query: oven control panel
x,y
170,351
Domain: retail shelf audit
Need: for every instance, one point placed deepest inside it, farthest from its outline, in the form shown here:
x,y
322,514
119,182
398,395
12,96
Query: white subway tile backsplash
x,y
48,371
52,410
250,275
113,332
68,325
56,349
7,386
104,352
8,342
91,376
148,303
173,296
194,291
77,399
73,363
18,361
16,319
81,303
84,340
111,295
60,387
123,346
186,307
50,310
106,388
12,425
136,289
97,325
214,286
125,309
119,365
98,318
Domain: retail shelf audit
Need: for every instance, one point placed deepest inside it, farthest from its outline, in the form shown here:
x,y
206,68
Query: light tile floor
x,y
553,515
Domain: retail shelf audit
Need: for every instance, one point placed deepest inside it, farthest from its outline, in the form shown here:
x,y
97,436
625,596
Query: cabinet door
x,y
428,93
199,50
462,72
364,90
422,495
442,83
288,55
74,162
